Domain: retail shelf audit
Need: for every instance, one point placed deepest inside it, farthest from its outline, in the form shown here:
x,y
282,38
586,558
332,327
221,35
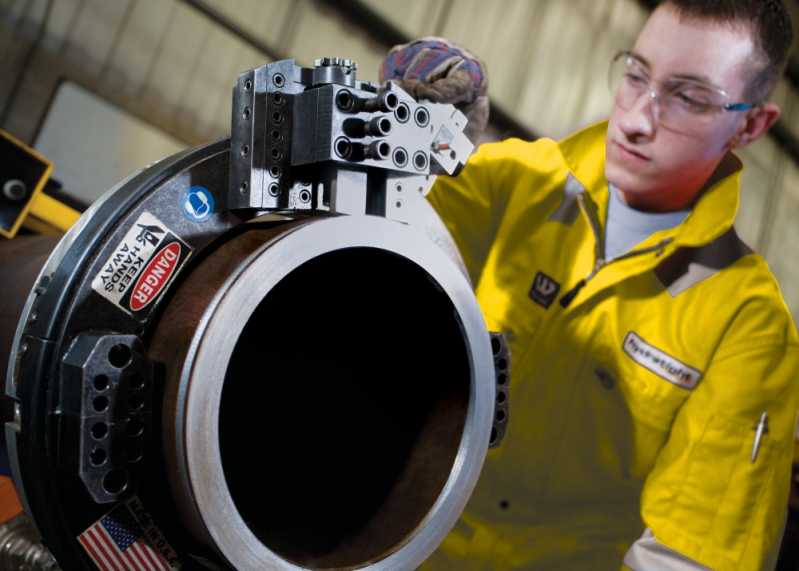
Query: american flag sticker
x,y
125,539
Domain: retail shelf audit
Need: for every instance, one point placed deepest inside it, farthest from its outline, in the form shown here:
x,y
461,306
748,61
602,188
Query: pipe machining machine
x,y
263,353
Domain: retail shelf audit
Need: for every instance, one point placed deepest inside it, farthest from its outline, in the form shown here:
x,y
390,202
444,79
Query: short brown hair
x,y
770,25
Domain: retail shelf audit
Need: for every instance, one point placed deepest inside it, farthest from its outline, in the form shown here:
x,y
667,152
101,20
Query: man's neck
x,y
683,199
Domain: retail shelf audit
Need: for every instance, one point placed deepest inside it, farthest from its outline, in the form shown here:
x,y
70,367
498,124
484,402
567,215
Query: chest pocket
x,y
619,418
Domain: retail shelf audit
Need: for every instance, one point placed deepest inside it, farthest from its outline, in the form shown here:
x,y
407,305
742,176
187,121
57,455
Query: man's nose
x,y
641,120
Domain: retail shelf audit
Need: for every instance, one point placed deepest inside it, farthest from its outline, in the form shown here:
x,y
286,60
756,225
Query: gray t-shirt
x,y
627,227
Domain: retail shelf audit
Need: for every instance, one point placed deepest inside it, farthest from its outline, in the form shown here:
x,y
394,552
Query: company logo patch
x,y
660,363
142,265
544,290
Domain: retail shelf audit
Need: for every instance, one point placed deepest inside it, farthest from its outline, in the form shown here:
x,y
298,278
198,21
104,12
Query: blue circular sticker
x,y
197,203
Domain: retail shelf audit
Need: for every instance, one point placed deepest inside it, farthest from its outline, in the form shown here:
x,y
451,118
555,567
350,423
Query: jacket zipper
x,y
599,252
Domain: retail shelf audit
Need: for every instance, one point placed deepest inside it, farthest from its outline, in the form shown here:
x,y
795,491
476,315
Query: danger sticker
x,y
142,265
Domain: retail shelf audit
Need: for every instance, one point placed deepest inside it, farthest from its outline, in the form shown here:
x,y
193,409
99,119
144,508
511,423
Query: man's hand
x,y
436,69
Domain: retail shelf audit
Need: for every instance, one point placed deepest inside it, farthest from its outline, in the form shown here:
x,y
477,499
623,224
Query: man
x,y
654,373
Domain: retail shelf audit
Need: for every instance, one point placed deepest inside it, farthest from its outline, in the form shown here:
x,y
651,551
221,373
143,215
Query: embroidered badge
x,y
660,363
544,290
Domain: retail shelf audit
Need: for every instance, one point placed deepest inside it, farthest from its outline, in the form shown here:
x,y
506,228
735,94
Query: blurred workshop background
x,y
103,87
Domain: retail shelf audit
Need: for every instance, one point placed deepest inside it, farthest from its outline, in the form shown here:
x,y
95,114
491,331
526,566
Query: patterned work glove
x,y
438,70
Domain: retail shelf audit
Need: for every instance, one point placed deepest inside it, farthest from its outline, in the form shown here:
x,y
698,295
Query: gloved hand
x,y
438,70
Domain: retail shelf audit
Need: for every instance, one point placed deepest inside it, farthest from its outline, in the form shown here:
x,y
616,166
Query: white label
x,y
118,274
660,363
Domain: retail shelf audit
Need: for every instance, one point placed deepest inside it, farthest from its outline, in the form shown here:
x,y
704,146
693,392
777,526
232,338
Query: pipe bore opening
x,y
343,408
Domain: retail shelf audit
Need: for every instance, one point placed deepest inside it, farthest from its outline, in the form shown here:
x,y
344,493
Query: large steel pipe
x,y
21,260
320,389
323,404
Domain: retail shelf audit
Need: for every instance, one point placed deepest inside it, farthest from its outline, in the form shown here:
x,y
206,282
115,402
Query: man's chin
x,y
628,181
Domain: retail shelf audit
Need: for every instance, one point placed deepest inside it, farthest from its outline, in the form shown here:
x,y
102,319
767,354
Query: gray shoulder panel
x,y
689,266
568,209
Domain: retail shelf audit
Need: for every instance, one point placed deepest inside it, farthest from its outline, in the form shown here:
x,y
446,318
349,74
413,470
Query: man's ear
x,y
758,121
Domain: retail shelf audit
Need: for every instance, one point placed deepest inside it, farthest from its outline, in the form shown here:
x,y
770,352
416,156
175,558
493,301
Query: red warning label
x,y
155,276
142,266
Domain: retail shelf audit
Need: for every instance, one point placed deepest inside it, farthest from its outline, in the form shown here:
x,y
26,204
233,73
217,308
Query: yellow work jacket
x,y
637,385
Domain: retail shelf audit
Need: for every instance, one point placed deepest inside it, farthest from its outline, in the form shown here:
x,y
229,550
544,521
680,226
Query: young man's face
x,y
652,155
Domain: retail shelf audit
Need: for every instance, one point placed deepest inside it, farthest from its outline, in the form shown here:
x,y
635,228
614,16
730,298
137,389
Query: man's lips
x,y
629,153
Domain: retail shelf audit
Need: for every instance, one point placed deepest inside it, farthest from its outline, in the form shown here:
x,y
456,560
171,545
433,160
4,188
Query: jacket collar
x,y
712,215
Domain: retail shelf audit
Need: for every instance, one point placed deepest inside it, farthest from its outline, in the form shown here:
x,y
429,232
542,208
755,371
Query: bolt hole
x,y
495,345
276,154
101,382
248,85
276,135
273,189
278,80
136,382
493,436
500,416
501,397
502,364
277,117
98,456
115,481
421,117
245,150
278,99
134,450
305,196
345,100
275,171
343,148
100,403
135,402
504,504
402,113
420,161
243,187
119,355
391,100
400,157
502,379
99,430
134,428
246,113
453,155
398,204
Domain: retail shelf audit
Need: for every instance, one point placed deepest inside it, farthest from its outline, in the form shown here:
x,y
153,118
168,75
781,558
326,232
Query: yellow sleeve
x,y
706,498
473,203
471,206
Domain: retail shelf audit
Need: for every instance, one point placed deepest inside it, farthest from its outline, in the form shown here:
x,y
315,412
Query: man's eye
x,y
635,79
698,99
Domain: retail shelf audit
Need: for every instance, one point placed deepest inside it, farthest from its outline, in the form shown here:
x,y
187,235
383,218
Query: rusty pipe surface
x,y
21,259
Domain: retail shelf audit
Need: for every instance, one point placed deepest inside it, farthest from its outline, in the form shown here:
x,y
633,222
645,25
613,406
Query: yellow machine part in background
x,y
39,212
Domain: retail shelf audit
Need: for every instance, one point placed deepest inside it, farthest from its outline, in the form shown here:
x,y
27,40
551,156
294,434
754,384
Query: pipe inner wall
x,y
328,396
343,407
